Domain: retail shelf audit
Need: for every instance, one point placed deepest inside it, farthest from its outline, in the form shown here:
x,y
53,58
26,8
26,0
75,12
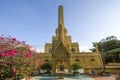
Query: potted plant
x,y
105,73
46,66
75,68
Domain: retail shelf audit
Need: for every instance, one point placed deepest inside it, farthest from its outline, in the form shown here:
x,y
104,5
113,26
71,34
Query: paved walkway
x,y
105,77
55,78
81,77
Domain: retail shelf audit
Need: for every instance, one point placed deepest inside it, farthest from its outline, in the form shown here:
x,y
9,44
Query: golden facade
x,y
62,51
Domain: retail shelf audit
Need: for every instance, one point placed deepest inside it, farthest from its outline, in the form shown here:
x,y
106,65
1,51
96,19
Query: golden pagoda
x,y
62,51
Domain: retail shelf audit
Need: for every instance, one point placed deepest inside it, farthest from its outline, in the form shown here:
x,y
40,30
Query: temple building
x,y
62,51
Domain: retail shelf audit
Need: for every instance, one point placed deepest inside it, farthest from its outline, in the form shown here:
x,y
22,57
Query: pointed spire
x,y
61,28
60,15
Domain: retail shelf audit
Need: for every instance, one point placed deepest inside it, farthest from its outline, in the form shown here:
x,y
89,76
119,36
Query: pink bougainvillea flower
x,y
28,54
16,56
13,39
1,38
13,52
14,71
10,62
4,54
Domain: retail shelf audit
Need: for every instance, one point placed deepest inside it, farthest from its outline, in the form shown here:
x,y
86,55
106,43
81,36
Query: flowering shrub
x,y
16,58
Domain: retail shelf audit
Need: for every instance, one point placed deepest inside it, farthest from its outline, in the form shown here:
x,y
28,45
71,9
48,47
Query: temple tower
x,y
60,46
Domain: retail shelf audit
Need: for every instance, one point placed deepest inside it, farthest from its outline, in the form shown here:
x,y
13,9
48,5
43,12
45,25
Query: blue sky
x,y
35,21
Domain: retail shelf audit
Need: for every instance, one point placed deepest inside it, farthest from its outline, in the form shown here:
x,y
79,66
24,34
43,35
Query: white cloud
x,y
39,50
84,48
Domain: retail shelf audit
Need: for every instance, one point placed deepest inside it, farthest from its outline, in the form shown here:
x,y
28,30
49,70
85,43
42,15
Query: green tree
x,y
105,45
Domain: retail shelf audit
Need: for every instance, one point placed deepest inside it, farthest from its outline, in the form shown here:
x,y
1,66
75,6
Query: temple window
x,y
46,60
50,50
58,60
77,60
92,59
73,50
